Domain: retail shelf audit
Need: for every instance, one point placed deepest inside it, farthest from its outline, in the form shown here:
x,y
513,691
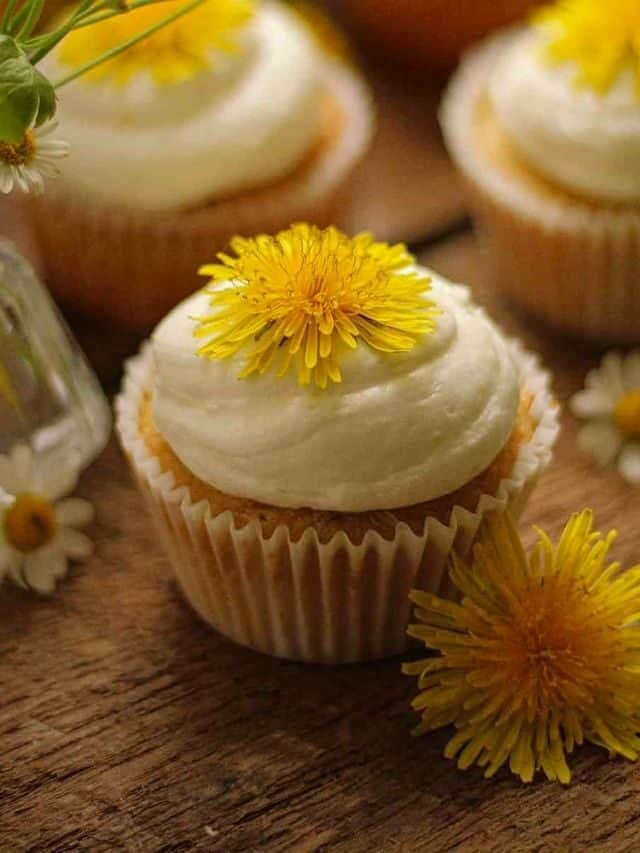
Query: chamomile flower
x,y
610,403
27,163
38,529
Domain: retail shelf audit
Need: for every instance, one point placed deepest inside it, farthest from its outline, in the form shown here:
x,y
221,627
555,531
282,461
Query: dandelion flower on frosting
x,y
601,37
304,297
175,53
610,403
27,163
38,527
542,653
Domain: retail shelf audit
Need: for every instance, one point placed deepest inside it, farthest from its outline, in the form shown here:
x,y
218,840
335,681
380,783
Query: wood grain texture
x,y
127,724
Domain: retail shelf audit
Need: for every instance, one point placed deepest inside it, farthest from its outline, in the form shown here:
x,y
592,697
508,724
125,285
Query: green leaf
x,y
8,48
26,96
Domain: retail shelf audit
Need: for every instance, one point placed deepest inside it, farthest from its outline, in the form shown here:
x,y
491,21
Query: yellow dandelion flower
x,y
305,296
602,37
542,653
173,54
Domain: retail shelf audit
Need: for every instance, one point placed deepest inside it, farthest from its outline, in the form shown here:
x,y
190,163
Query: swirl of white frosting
x,y
584,141
400,429
245,123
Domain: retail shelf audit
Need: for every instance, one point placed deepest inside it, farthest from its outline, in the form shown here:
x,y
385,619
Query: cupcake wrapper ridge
x,y
325,602
573,264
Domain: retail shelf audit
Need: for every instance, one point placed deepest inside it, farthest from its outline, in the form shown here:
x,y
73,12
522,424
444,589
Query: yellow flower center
x,y
19,154
30,523
172,54
627,414
305,296
550,660
601,37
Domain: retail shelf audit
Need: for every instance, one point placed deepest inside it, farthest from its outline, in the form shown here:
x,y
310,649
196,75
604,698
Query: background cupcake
x,y
410,418
229,119
545,124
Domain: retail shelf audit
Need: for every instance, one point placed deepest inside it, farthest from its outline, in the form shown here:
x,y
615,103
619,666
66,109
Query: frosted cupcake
x,y
230,119
317,430
544,122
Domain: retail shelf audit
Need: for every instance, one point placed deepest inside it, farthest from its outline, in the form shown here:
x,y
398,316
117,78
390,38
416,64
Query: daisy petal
x,y
57,561
43,568
76,545
6,179
610,373
45,129
591,403
10,482
35,179
602,440
56,481
10,563
74,512
48,170
20,179
54,148
631,370
15,470
7,556
629,463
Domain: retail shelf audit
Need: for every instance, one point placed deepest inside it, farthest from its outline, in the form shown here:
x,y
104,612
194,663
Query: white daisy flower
x,y
610,402
30,161
38,532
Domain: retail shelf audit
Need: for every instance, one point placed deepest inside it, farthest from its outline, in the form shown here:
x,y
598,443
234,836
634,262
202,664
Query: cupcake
x,y
544,122
317,430
231,119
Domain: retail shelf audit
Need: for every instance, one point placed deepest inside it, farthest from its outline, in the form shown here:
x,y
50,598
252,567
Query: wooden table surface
x,y
127,724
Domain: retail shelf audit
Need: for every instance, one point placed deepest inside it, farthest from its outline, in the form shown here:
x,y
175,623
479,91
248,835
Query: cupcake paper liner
x,y
572,263
326,602
132,266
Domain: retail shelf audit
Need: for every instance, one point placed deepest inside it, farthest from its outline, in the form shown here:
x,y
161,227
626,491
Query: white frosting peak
x,y
582,140
400,429
247,122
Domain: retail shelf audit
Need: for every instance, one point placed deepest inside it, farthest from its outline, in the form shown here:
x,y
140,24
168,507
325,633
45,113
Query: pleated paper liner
x,y
131,267
573,263
304,599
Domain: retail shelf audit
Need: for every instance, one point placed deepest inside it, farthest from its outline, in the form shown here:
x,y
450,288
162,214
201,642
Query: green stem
x,y
105,4
110,54
85,15
18,18
31,20
97,15
6,17
49,40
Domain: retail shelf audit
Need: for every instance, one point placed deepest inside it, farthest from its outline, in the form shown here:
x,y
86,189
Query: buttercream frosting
x,y
585,141
247,121
400,429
